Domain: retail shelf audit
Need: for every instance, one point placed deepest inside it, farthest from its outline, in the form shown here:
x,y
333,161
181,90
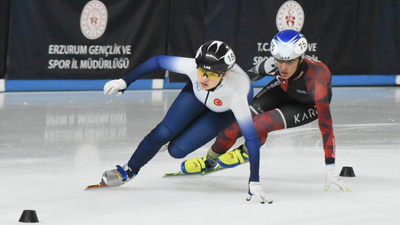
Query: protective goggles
x,y
210,75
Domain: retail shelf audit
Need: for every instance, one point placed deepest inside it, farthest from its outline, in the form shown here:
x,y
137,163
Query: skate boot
x,y
197,165
234,157
119,176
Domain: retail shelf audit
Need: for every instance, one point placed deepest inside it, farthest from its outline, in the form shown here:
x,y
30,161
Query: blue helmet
x,y
288,44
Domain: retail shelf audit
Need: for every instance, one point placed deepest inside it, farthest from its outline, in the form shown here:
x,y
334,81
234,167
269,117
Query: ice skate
x,y
118,176
197,165
233,158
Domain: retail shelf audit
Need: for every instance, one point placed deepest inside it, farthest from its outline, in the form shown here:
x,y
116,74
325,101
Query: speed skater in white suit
x,y
217,95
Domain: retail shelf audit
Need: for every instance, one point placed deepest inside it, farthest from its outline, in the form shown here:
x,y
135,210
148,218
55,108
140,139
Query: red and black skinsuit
x,y
299,100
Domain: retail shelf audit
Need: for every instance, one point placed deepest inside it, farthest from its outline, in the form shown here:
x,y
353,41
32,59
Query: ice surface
x,y
54,144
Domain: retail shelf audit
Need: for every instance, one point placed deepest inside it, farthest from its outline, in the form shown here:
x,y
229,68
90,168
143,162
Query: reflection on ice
x,y
85,126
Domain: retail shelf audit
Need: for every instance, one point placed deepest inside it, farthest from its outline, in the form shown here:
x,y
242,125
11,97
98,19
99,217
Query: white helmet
x,y
288,44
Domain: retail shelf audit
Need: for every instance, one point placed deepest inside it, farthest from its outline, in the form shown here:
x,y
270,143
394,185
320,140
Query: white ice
x,y
54,144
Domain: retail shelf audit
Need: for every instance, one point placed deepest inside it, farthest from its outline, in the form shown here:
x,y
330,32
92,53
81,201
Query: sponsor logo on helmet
x,y
217,102
290,16
94,19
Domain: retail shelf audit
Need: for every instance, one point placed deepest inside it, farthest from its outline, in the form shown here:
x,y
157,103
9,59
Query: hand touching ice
x,y
256,189
332,178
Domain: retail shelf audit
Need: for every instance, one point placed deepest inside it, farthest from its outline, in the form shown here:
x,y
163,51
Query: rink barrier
x,y
149,84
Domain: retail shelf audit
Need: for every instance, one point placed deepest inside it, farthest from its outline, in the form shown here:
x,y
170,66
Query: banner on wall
x,y
104,39
247,27
262,20
349,36
84,39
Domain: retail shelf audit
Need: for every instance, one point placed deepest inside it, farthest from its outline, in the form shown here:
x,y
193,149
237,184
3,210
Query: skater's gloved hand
x,y
332,178
266,67
270,66
256,189
113,86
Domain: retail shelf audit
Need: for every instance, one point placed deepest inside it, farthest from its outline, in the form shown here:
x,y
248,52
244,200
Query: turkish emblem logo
x,y
290,16
217,102
94,19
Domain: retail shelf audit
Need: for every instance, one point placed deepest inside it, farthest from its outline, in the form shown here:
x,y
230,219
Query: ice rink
x,y
54,144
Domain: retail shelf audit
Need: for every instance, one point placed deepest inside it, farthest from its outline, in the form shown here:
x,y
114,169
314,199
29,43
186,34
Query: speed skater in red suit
x,y
300,93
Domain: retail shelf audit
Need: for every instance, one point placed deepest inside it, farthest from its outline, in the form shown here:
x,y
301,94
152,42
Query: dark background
x,y
357,37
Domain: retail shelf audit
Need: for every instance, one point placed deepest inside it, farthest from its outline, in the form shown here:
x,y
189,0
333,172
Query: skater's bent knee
x,y
176,152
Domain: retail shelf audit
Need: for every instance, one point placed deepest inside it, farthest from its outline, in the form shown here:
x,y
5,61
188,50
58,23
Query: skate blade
x,y
101,184
180,173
